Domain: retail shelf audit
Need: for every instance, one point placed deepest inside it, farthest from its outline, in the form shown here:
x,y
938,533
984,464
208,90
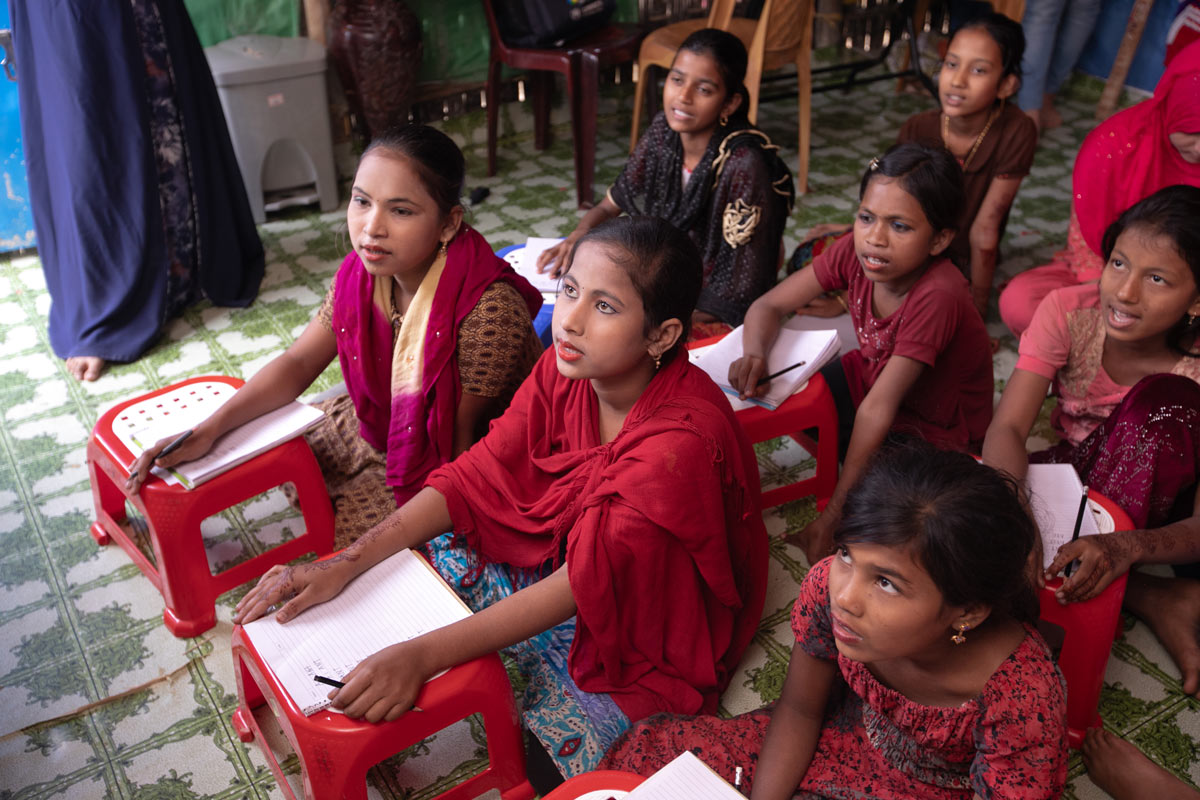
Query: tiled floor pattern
x,y
101,701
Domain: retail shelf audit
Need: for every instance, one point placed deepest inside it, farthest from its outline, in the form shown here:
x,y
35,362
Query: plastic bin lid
x,y
258,59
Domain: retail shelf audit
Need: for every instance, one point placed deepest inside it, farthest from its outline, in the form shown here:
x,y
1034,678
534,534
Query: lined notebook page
x,y
1054,492
398,599
685,778
142,424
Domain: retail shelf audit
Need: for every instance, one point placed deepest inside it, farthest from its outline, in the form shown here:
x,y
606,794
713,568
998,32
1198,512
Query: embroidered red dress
x,y
1009,742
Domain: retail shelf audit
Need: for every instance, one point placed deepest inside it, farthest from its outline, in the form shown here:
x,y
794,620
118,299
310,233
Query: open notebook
x,y
142,424
526,264
1054,494
398,599
814,348
685,778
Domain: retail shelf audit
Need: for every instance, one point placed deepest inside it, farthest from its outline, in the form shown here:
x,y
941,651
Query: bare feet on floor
x,y
85,368
1171,607
1120,769
1050,116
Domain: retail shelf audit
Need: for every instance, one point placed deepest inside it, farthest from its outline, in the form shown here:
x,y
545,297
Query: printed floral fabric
x,y
1009,742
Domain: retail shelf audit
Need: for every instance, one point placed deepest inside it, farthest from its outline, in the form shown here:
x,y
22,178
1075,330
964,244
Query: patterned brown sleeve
x,y
496,344
325,312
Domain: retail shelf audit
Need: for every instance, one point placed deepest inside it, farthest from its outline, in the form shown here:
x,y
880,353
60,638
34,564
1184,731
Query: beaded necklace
x,y
978,139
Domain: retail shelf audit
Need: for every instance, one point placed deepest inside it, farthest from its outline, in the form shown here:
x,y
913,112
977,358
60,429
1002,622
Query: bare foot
x,y
1035,114
1171,607
1120,769
85,368
1050,116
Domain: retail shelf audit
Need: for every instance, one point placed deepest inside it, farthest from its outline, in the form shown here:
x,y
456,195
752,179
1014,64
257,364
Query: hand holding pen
x,y
186,446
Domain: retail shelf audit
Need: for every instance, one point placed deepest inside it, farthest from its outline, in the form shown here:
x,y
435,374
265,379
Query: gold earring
x,y
724,120
657,362
442,250
960,637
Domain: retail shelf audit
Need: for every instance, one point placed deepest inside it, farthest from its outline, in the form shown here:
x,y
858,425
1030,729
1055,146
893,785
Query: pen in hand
x,y
1078,521
338,685
175,444
768,378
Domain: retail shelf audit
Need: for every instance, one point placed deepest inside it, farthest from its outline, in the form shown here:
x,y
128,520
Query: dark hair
x,y
662,263
729,54
438,161
964,522
930,174
1007,35
1171,212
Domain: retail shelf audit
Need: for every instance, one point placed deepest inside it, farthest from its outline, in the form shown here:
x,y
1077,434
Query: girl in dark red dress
x,y
916,671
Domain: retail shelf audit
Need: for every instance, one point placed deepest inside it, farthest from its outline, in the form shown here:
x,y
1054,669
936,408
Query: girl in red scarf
x,y
611,514
1126,158
431,329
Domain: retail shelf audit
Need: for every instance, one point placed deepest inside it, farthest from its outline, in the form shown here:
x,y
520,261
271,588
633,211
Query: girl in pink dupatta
x,y
1123,359
432,331
1130,156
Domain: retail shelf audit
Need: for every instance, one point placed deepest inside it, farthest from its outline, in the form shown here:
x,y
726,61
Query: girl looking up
x,y
924,362
992,140
1122,357
917,671
433,333
1129,156
705,169
617,464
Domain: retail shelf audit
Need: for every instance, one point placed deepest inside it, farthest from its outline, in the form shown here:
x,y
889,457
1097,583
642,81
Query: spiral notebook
x,y
398,599
143,424
1054,494
685,778
811,350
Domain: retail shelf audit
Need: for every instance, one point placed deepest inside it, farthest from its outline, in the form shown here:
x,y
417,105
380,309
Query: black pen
x,y
328,681
767,378
175,444
1078,521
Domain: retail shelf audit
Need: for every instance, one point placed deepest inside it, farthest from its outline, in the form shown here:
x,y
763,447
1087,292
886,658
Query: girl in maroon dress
x,y
916,670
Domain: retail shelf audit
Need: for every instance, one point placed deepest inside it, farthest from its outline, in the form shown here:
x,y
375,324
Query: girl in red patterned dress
x,y
916,670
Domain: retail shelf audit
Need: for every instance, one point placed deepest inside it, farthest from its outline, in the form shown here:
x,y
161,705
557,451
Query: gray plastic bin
x,y
272,90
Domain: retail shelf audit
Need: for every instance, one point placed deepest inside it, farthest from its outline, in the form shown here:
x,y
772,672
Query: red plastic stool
x,y
811,407
598,784
335,752
173,514
1090,628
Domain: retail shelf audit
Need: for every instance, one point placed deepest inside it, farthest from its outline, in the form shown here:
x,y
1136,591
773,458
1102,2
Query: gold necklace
x,y
978,139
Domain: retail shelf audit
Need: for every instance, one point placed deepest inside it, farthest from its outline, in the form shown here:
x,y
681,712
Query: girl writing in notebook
x,y
705,169
617,464
993,140
924,362
433,333
1123,360
917,671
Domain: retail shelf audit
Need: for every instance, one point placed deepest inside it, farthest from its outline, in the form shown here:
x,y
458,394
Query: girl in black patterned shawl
x,y
703,167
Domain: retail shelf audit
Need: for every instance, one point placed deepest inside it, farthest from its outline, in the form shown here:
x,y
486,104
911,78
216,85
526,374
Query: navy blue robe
x,y
137,199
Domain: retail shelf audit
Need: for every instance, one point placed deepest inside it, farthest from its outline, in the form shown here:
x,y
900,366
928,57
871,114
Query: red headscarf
x,y
664,541
1128,157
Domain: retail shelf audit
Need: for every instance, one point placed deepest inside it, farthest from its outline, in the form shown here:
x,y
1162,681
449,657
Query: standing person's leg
x,y
1073,33
92,179
1040,24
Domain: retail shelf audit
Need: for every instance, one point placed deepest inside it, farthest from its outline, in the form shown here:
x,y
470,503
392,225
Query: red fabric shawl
x,y
665,545
416,431
1128,156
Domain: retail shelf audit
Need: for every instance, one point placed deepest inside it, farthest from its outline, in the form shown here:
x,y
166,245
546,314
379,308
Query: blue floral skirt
x,y
575,727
